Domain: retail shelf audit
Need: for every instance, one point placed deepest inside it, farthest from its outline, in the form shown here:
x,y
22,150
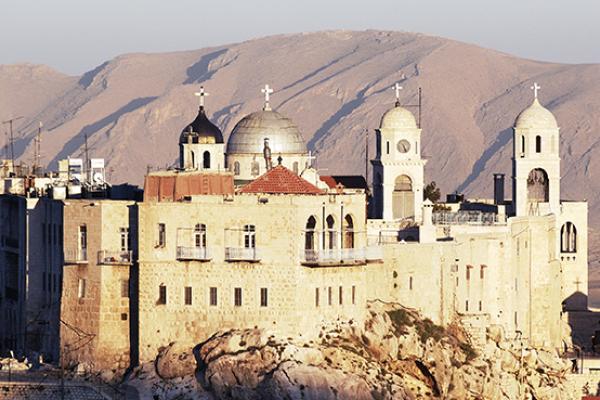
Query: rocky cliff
x,y
396,354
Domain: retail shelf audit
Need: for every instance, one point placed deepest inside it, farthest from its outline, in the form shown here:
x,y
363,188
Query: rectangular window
x,y
410,283
124,288
162,294
516,320
237,297
353,294
188,295
316,297
213,296
469,272
81,288
249,236
480,306
124,234
82,243
162,235
481,272
263,297
341,295
330,295
467,305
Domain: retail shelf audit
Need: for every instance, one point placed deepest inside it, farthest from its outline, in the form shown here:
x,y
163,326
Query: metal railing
x,y
193,253
110,257
465,218
344,255
75,256
242,254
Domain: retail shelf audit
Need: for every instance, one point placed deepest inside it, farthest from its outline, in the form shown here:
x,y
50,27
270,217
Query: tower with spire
x,y
398,169
201,145
536,161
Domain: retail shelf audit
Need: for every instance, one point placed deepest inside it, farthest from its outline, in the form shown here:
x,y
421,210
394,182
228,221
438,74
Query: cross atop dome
x,y
201,94
397,88
267,90
535,89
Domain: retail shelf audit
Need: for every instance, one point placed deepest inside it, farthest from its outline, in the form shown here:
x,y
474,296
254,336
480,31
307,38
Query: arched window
x,y
236,168
254,168
331,233
200,235
538,144
249,236
538,186
403,184
348,232
568,238
206,160
295,167
310,233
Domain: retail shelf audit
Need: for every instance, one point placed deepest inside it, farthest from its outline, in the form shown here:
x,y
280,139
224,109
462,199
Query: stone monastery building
x,y
246,233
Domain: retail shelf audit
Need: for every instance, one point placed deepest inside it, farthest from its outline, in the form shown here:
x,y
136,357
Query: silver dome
x,y
249,134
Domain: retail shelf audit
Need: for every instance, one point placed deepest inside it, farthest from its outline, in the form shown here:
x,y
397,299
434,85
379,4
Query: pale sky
x,y
77,35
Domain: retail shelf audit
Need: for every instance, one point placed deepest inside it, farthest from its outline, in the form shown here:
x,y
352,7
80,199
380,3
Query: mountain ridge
x,y
333,84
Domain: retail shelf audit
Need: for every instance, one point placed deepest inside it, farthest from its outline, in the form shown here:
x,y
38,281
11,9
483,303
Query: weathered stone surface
x,y
175,361
376,361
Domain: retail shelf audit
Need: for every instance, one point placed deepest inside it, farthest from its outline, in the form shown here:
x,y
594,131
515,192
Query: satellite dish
x,y
98,178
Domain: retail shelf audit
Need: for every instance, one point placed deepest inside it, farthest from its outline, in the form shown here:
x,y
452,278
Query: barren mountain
x,y
334,85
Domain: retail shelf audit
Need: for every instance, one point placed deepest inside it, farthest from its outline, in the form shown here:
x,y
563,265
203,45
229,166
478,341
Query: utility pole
x,y
12,147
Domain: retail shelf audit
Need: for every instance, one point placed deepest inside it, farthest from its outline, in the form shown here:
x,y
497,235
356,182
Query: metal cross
x,y
267,91
535,89
201,94
397,88
577,282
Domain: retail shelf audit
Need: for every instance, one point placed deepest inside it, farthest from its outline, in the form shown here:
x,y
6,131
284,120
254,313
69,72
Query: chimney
x,y
498,189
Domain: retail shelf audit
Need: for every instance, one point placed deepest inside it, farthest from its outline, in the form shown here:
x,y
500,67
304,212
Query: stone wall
x,y
279,222
96,319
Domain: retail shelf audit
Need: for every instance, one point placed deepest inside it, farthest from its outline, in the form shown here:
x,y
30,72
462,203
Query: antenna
x,y
37,149
418,106
367,155
12,147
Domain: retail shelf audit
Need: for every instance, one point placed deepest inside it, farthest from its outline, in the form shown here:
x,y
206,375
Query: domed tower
x,y
263,133
536,161
398,169
201,145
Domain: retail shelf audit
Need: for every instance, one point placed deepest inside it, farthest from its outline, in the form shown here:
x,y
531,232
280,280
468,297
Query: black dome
x,y
201,130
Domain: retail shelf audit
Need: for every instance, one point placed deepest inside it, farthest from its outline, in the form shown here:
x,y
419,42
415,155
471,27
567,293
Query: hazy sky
x,y
76,35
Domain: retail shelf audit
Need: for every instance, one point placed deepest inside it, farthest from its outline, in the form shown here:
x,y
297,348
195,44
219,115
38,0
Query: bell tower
x,y
201,145
536,161
398,169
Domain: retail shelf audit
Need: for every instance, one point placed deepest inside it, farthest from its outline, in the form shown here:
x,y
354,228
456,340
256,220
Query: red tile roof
x,y
280,180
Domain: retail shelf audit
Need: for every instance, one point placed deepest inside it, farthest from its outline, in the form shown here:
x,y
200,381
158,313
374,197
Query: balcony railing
x,y
341,256
75,256
193,253
108,257
250,254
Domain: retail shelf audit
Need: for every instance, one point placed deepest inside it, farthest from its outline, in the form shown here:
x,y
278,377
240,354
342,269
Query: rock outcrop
x,y
396,354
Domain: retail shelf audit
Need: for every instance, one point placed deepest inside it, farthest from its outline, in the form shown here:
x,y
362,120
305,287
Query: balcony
x,y
75,256
249,254
347,256
193,253
106,257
